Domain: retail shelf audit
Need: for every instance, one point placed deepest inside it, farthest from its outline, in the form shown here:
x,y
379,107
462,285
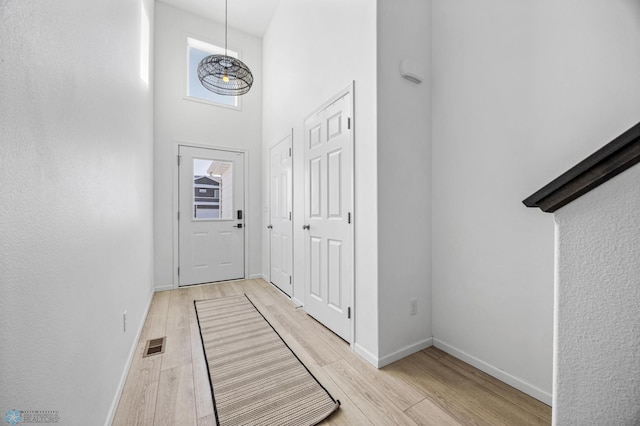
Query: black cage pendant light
x,y
223,74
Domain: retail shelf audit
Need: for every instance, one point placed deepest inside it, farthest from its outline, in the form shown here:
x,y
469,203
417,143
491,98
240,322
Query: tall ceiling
x,y
249,16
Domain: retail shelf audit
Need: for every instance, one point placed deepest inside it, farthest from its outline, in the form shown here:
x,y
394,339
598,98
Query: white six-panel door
x,y
328,227
280,211
211,231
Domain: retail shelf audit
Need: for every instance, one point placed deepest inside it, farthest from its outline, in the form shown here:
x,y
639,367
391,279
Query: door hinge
x,y
289,215
289,152
349,217
348,122
290,280
178,215
349,312
178,270
179,158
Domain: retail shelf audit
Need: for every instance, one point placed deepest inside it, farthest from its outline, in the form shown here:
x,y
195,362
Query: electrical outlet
x,y
124,322
413,307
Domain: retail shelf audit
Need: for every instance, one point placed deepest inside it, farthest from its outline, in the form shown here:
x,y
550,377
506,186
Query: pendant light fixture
x,y
223,74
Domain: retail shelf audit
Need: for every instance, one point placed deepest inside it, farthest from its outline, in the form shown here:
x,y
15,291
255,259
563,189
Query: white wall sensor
x,y
411,70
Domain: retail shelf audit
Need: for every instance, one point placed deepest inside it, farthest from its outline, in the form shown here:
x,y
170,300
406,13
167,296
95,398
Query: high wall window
x,y
196,51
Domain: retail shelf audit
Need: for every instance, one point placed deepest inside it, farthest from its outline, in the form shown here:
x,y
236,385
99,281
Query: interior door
x,y
280,211
329,250
211,216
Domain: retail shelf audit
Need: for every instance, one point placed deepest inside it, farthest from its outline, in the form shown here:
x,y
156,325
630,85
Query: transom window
x,y
196,51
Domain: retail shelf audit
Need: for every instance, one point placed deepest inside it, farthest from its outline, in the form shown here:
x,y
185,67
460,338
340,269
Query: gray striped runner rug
x,y
255,378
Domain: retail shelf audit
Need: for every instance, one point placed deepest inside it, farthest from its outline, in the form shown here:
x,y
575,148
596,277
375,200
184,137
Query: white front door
x,y
329,250
280,224
211,216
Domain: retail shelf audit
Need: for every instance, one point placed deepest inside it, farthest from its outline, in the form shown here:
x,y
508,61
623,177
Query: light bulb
x,y
225,78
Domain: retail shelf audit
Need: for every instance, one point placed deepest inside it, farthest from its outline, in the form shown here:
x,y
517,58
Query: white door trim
x,y
279,140
347,91
176,203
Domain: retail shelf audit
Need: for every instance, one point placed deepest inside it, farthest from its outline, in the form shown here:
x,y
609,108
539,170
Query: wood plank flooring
x,y
427,388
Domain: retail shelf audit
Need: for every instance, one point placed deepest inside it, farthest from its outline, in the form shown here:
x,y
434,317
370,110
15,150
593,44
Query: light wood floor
x,y
426,388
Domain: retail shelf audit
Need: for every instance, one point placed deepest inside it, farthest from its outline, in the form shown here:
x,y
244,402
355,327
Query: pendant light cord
x,y
225,27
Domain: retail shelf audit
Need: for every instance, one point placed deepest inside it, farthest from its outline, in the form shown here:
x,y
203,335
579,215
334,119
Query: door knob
x,y
270,227
238,226
306,226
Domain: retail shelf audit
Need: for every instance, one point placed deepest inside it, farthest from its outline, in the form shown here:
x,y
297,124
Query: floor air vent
x,y
154,347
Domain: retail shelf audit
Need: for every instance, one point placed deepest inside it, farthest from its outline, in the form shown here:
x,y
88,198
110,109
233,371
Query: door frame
x,y
175,203
281,139
347,91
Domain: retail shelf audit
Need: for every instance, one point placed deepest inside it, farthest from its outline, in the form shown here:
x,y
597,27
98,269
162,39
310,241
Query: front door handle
x,y
238,226
270,227
306,226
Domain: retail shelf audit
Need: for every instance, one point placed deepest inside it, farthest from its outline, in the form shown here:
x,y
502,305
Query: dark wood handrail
x,y
607,162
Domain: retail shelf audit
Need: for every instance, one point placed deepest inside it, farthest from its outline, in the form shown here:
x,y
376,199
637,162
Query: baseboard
x,y
116,399
371,358
256,276
406,351
251,277
380,362
163,288
507,378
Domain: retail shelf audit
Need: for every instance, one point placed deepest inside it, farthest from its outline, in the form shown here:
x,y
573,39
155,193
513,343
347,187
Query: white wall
x,y
596,366
404,178
521,92
75,205
312,50
178,120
